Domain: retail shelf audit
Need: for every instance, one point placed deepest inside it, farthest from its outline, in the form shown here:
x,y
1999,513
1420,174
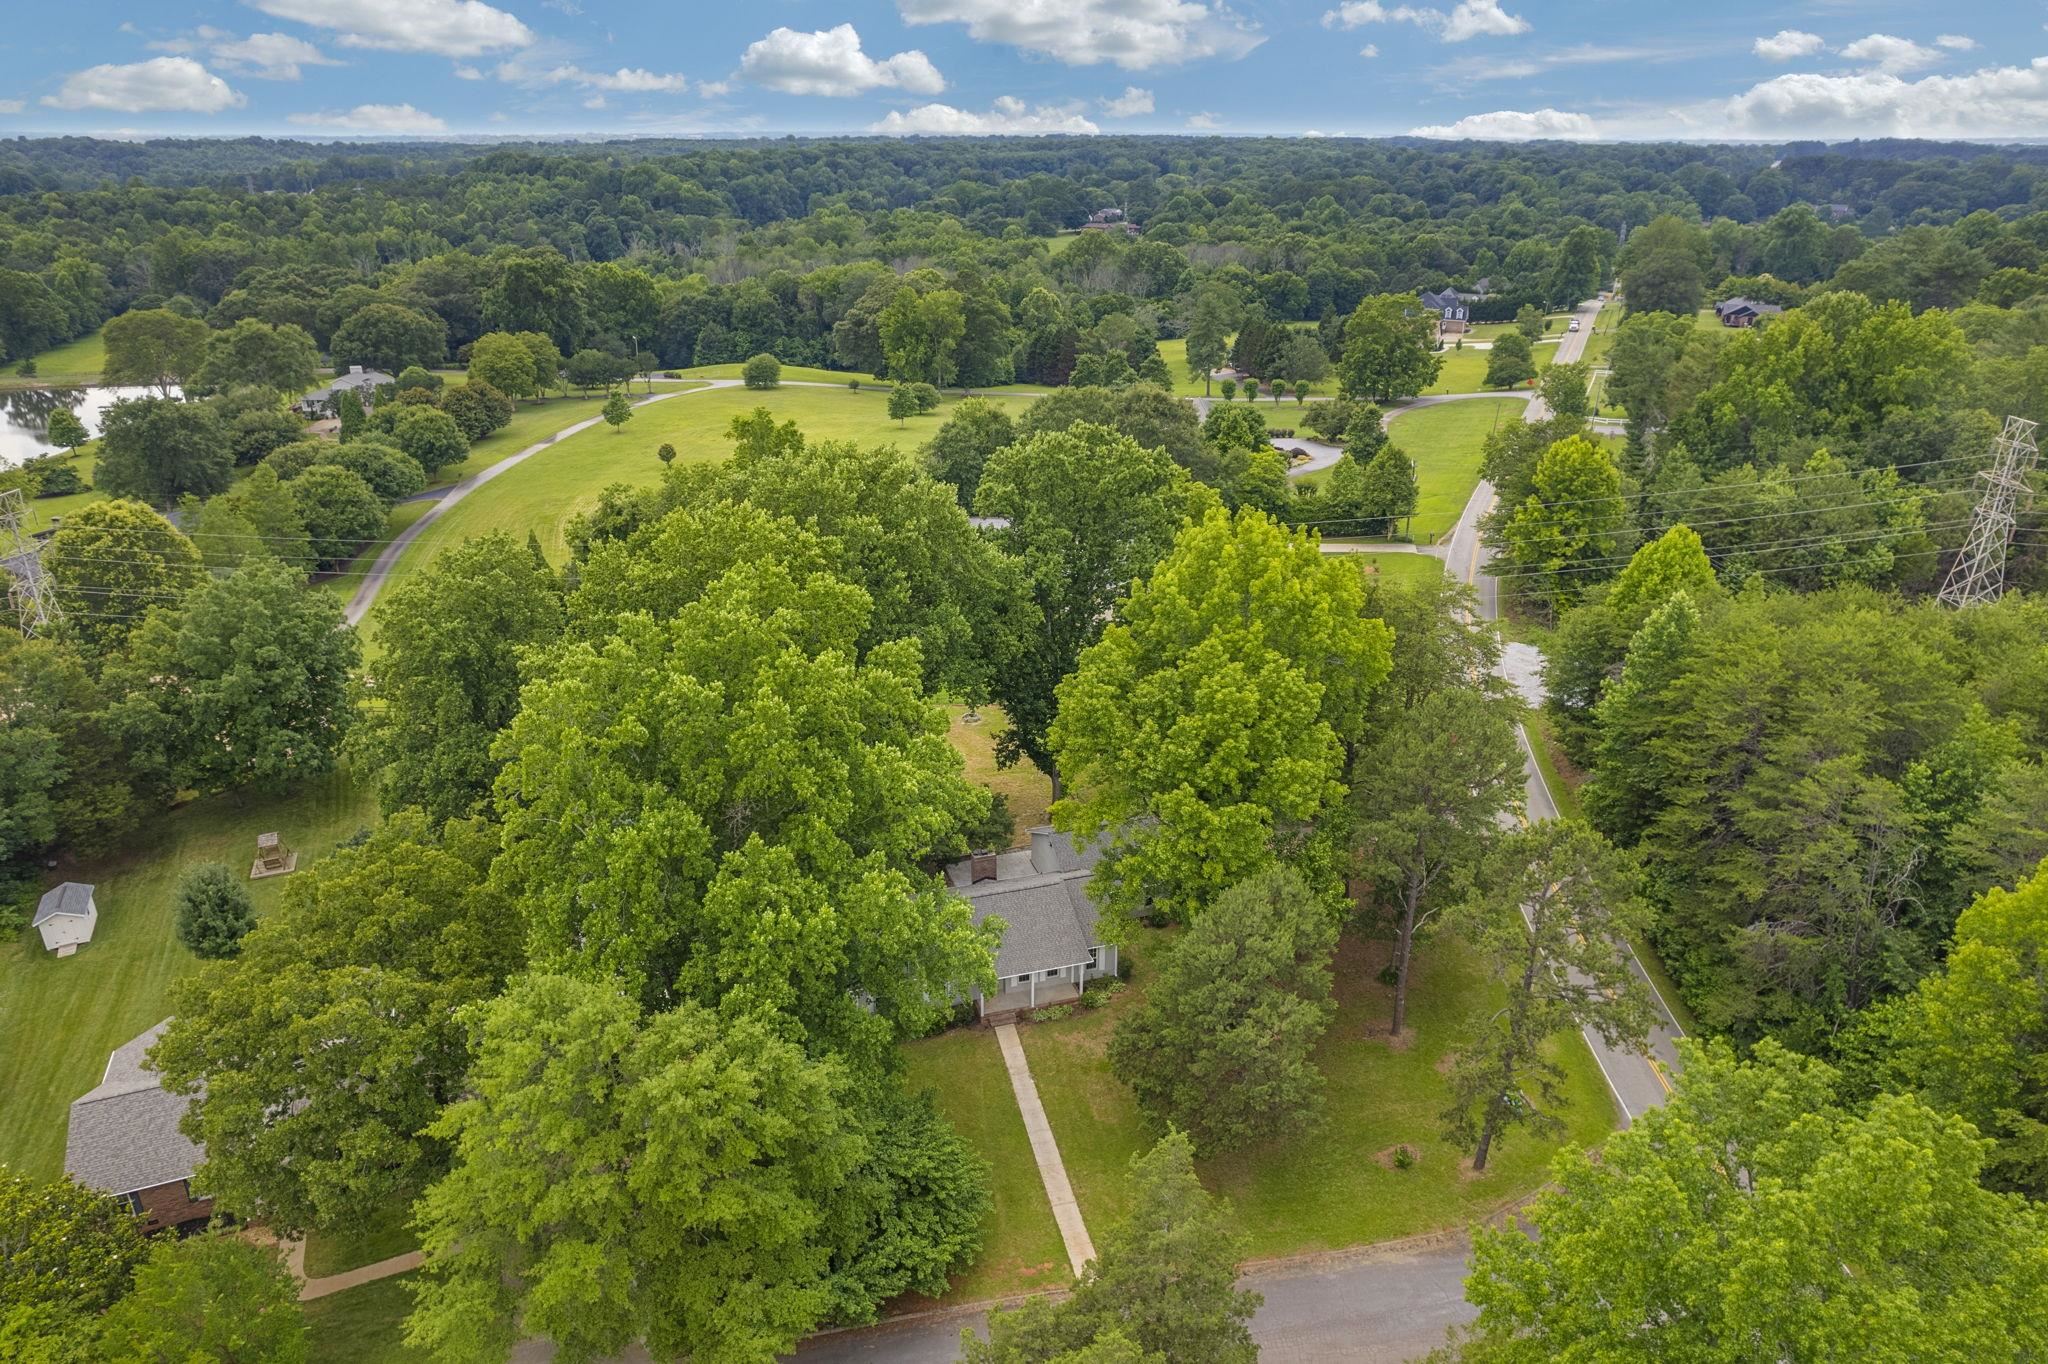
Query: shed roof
x,y
124,1134
73,898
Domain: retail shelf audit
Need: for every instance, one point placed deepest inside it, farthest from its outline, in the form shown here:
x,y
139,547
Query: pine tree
x,y
1161,1287
1631,781
214,911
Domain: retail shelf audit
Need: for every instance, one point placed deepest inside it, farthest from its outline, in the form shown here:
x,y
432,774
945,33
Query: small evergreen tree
x,y
349,408
1229,389
1161,1287
1223,1045
214,911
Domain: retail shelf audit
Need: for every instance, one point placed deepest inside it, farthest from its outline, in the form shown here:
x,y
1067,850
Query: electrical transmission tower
x,y
1978,574
21,564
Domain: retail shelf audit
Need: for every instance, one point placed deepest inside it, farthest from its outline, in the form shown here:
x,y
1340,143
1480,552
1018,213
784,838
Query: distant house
x,y
66,917
1453,312
1051,948
124,1140
364,383
1744,312
1110,220
1478,292
1106,215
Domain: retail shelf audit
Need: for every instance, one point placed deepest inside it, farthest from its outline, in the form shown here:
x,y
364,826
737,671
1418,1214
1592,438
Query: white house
x,y
1051,948
364,383
66,916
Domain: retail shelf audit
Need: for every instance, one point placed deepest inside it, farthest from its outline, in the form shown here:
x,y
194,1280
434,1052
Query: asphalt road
x,y
1637,1077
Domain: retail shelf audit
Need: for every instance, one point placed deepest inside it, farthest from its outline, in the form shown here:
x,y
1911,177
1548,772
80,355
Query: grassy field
x,y
1445,442
1027,789
60,1018
790,374
1338,1185
1021,1247
363,1325
42,511
387,1235
1399,565
1464,371
543,494
77,361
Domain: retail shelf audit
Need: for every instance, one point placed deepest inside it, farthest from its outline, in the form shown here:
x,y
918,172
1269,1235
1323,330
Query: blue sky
x,y
1589,69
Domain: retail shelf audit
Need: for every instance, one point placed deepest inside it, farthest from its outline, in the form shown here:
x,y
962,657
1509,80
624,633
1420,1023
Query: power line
x,y
1768,547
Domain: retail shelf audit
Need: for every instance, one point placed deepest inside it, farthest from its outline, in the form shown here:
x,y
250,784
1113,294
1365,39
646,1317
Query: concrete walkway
x,y
309,1289
1051,1169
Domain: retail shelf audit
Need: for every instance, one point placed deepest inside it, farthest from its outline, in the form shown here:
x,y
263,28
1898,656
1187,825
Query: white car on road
x,y
1574,326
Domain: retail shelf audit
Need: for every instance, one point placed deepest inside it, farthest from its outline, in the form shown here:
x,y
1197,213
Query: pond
x,y
25,416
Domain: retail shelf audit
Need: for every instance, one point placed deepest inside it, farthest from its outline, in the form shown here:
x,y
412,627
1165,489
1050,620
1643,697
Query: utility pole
x,y
22,563
1978,574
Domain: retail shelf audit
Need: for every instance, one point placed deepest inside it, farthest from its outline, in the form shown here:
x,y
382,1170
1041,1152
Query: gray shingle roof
x,y
124,1134
73,898
1042,897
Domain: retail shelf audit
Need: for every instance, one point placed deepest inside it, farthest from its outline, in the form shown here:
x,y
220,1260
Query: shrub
x,y
477,408
214,911
666,454
1404,1157
1053,1013
853,383
762,371
26,369
54,477
430,436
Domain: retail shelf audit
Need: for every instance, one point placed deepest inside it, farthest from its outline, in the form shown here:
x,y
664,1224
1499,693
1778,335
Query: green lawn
x,y
1027,790
1338,1185
1464,371
363,1325
794,374
1021,1247
543,494
60,1018
1399,566
533,421
77,361
386,1235
1446,441
43,510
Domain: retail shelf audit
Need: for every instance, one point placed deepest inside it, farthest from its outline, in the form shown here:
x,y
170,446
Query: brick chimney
x,y
981,866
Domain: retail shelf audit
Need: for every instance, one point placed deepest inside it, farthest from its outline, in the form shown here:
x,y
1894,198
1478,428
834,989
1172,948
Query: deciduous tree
x,y
389,337
159,449
976,429
153,347
244,680
1568,534
1511,361
109,563
1389,349
1206,733
1429,794
1551,918
448,679
501,360
213,1297
1754,1218
341,512
432,437
325,1049
283,358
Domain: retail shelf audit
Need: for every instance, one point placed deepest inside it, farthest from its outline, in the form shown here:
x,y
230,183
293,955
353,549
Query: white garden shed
x,y
66,917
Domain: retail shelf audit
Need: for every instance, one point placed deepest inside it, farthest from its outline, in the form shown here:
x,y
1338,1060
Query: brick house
x,y
124,1140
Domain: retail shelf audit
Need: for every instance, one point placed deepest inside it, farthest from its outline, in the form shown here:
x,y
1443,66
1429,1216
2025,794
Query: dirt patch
x,y
1390,1158
1445,1062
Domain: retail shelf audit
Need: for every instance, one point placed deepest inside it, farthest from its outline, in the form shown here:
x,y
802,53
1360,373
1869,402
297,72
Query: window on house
x,y
1094,957
1050,974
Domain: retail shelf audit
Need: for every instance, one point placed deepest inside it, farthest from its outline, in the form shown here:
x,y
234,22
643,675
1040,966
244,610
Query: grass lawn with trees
x,y
1464,371
60,1018
1020,1249
543,494
791,374
338,1252
78,361
1446,441
1339,1185
1028,790
364,1325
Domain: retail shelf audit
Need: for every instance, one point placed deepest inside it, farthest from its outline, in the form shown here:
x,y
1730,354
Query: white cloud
x,y
374,118
1201,120
1129,104
831,63
1468,19
468,73
1513,125
450,28
11,106
2003,101
1369,50
630,80
158,86
594,102
1886,53
1134,34
1009,115
714,89
267,56
1786,44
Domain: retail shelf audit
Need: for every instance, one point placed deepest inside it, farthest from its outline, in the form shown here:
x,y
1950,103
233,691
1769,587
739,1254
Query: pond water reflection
x,y
25,416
